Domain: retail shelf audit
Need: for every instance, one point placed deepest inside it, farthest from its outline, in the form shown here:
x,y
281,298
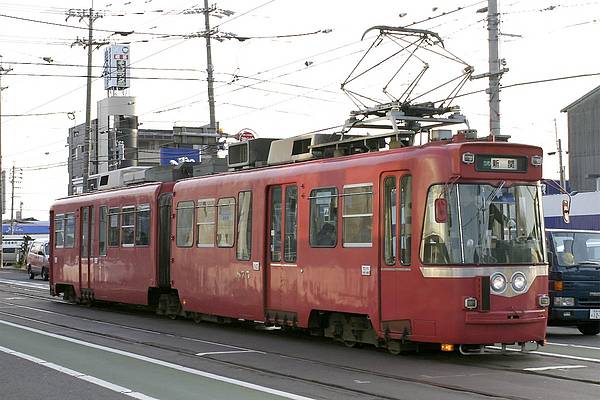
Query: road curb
x,y
12,269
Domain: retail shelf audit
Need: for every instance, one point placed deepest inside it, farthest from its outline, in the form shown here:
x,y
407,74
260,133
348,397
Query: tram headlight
x,y
498,282
519,282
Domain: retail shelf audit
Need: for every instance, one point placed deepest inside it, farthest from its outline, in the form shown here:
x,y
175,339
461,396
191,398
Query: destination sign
x,y
494,163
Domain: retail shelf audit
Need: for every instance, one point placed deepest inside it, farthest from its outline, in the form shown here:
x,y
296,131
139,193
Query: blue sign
x,y
176,156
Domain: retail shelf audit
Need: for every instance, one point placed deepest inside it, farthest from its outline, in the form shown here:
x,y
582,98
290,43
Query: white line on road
x,y
78,375
554,367
557,355
577,346
162,363
33,285
210,353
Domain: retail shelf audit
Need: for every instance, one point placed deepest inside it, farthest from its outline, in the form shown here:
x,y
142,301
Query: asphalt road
x,y
50,349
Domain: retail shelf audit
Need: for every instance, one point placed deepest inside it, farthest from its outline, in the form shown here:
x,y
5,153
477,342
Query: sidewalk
x,y
12,268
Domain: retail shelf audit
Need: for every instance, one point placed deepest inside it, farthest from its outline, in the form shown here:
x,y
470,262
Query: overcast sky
x,y
541,39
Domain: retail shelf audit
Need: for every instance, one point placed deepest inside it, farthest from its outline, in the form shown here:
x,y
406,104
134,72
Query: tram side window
x,y
389,220
113,227
358,215
128,226
59,231
102,228
142,225
405,219
69,230
291,224
275,223
244,239
185,224
323,217
205,224
225,222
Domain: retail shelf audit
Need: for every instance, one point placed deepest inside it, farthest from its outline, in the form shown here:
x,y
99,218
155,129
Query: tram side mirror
x,y
441,210
566,209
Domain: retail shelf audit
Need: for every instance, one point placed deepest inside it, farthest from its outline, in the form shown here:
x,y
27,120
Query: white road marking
x,y
14,298
78,375
554,367
577,346
33,285
557,355
210,353
162,363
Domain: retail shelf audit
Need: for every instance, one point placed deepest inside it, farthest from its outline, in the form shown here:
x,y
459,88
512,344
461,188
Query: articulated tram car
x,y
441,243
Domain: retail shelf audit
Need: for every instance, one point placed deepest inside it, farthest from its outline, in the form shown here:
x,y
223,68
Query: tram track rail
x,y
124,309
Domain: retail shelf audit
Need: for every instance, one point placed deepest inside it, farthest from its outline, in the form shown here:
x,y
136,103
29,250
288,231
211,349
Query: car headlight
x,y
498,282
564,302
519,282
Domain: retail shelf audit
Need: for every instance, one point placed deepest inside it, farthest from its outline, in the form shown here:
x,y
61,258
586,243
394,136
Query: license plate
x,y
504,163
595,314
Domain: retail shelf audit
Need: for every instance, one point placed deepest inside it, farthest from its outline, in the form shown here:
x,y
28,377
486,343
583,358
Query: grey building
x,y
584,141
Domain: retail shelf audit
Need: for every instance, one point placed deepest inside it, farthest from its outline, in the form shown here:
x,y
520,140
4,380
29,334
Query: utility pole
x,y
16,175
209,67
560,157
495,72
91,16
3,71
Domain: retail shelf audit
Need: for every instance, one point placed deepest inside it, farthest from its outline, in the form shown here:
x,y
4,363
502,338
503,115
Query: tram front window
x,y
484,225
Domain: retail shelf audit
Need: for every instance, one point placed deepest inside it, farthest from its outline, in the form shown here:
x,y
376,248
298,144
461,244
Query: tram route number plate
x,y
595,314
503,163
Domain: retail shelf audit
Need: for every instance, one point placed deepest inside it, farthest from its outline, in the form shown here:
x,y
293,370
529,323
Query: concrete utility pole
x,y
560,157
494,68
209,67
3,71
14,178
87,142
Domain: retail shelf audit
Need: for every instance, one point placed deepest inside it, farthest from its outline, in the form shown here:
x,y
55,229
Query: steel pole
x,y
88,108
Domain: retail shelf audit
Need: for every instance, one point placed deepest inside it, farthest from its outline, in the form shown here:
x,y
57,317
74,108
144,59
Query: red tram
x,y
440,243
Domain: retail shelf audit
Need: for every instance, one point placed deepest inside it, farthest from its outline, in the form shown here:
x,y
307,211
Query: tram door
x,y
86,240
395,252
165,202
283,271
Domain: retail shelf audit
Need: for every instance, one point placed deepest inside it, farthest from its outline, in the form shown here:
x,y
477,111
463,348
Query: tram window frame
x,y
275,223
69,231
103,230
348,194
207,220
225,226
319,216
114,231
59,227
244,217
290,235
182,208
390,218
143,217
128,226
405,224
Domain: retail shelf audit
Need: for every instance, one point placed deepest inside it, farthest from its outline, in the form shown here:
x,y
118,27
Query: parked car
x,y
37,259
574,279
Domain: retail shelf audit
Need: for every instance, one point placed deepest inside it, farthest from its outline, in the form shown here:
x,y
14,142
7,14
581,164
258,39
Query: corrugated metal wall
x,y
584,143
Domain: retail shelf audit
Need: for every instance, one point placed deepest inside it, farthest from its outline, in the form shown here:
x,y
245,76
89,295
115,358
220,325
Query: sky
x,y
279,87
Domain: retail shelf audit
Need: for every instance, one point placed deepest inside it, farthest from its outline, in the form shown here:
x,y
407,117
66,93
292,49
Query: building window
x,y
113,227
244,239
291,224
69,230
405,219
185,224
358,215
205,223
142,225
225,222
102,227
128,226
323,217
59,231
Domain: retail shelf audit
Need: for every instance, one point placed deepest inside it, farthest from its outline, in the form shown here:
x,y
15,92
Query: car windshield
x,y
577,248
484,224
